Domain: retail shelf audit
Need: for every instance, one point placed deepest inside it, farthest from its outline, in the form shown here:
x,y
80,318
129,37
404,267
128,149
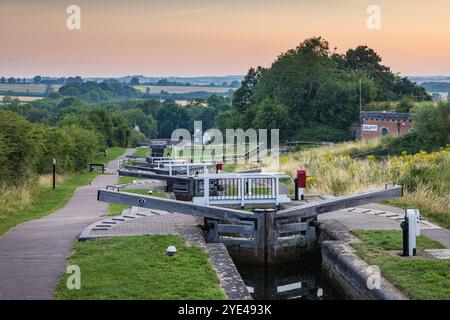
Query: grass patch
x,y
44,200
37,199
115,209
428,209
127,180
141,152
138,268
112,154
417,277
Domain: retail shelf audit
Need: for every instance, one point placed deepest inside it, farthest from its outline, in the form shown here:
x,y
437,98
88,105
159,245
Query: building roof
x,y
385,115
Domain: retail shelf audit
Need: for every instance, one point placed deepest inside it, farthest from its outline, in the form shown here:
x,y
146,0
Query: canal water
x,y
302,280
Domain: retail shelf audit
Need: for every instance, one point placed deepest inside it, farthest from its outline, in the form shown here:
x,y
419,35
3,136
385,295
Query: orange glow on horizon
x,y
204,37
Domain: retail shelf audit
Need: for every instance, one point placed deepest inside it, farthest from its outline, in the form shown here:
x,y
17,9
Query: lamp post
x,y
54,174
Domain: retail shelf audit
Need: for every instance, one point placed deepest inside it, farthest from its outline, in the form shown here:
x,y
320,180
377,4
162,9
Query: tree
x,y
11,80
18,148
2,80
366,61
134,82
37,79
272,115
243,95
432,124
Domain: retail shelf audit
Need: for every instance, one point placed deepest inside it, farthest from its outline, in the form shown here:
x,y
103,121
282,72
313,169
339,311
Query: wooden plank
x,y
291,227
289,241
172,206
154,176
342,202
233,228
237,241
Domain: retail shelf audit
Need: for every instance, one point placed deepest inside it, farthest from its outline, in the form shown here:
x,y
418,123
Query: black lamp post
x,y
54,174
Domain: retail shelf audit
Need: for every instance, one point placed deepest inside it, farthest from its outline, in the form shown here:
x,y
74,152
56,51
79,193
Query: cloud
x,y
194,11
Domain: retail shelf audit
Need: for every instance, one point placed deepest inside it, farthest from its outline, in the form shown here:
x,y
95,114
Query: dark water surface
x,y
302,280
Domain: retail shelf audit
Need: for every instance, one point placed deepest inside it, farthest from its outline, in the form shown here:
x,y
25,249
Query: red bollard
x,y
301,184
219,167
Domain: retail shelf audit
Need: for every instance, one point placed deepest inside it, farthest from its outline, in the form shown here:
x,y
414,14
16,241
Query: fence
x,y
239,189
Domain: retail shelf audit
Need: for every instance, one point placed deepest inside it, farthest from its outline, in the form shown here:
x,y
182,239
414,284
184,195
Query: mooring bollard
x,y
300,185
411,230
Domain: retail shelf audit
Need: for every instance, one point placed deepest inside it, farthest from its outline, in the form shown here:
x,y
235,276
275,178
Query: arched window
x,y
384,132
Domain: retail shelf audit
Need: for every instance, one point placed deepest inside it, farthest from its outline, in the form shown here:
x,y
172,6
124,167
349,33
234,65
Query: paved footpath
x,y
33,254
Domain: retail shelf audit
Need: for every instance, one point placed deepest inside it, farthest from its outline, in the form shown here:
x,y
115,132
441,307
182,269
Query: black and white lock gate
x,y
262,236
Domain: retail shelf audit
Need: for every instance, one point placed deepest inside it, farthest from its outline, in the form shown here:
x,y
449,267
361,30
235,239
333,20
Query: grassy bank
x,y
115,209
36,198
138,268
111,154
141,152
418,277
332,170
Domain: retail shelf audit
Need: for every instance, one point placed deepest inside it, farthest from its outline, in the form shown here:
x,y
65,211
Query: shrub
x,y
18,146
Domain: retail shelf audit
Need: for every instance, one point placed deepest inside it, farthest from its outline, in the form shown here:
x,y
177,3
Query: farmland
x,y
26,89
23,98
182,89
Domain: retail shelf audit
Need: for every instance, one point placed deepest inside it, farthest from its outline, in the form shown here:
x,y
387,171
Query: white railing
x,y
239,189
187,169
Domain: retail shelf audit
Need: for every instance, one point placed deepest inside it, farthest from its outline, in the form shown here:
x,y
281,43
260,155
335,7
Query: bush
x,y
18,146
321,132
432,123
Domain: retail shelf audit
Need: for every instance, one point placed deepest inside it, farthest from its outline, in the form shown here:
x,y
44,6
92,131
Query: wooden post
x,y
212,230
260,237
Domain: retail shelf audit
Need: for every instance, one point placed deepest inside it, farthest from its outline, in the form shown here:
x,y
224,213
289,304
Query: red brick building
x,y
383,123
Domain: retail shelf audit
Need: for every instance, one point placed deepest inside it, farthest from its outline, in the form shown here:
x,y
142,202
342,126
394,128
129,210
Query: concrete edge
x,y
350,273
230,280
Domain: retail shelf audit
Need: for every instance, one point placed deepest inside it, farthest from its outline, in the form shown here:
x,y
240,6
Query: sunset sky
x,y
212,37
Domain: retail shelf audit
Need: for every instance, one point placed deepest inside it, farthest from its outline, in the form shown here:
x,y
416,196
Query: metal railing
x,y
239,189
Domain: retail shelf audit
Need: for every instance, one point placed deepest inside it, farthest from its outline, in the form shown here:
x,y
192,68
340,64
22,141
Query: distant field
x,y
182,89
23,98
26,88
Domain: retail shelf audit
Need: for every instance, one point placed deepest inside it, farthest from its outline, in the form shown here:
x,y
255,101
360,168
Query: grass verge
x,y
418,277
115,209
112,154
141,152
44,200
37,199
138,268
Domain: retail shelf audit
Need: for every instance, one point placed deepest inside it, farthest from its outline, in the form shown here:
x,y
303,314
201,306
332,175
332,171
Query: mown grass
x,y
138,268
112,154
127,180
115,209
418,277
36,198
141,152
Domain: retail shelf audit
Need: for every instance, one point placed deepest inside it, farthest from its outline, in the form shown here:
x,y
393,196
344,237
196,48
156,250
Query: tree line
x,y
313,93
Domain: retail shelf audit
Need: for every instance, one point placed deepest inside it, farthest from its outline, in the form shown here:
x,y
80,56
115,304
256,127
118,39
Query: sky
x,y
212,37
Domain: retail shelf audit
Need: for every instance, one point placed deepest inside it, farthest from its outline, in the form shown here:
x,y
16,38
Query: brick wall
x,y
394,127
